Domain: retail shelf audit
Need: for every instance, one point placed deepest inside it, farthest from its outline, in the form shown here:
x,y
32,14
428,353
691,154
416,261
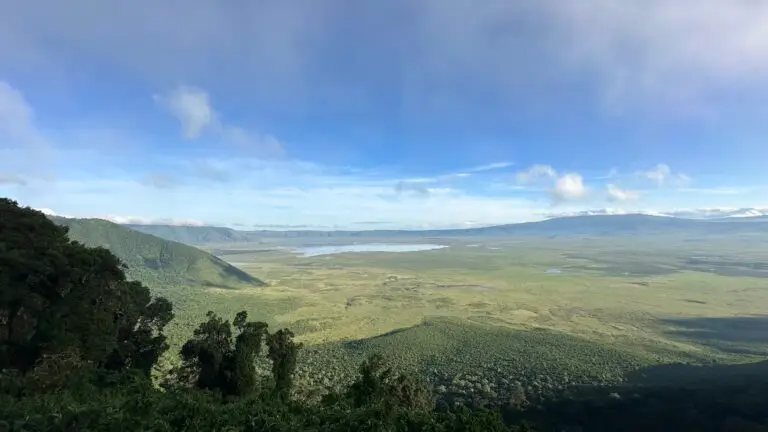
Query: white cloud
x,y
534,173
488,167
615,193
464,173
138,220
662,175
49,212
135,220
191,106
569,186
565,187
683,179
659,174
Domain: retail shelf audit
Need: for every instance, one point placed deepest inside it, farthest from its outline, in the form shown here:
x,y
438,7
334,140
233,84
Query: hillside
x,y
195,234
593,225
156,261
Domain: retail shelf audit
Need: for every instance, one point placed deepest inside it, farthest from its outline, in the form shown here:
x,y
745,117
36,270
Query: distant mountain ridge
x,y
156,261
592,225
703,213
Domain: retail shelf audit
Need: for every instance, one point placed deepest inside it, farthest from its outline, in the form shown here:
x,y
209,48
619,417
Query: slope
x,y
195,234
155,261
465,357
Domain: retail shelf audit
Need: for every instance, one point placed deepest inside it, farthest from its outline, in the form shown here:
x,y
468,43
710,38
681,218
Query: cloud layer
x,y
635,52
403,113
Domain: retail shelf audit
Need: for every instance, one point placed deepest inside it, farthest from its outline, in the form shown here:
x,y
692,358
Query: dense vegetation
x,y
468,363
155,261
79,340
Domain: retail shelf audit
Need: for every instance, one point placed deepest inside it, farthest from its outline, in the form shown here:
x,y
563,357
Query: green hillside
x,y
155,261
195,234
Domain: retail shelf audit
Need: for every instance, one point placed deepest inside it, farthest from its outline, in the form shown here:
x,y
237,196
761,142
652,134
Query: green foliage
x,y
155,261
283,352
59,296
378,384
467,362
128,404
212,360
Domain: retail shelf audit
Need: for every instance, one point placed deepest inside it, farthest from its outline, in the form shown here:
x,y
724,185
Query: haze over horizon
x,y
362,115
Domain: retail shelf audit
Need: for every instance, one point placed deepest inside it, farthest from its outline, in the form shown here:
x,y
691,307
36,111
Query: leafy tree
x,y
378,384
203,355
283,352
248,345
212,361
59,296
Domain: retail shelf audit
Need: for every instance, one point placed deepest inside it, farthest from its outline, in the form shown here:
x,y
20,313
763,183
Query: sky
x,y
346,114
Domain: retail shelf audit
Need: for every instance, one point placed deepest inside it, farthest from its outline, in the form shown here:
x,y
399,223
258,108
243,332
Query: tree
x,y
378,384
283,352
59,296
248,345
203,355
213,362
141,342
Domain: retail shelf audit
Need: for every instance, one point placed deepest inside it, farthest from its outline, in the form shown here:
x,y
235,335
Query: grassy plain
x,y
486,313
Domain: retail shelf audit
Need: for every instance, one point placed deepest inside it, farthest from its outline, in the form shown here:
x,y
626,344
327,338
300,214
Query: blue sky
x,y
398,114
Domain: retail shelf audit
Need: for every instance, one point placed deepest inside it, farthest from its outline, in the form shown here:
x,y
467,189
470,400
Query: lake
x,y
311,251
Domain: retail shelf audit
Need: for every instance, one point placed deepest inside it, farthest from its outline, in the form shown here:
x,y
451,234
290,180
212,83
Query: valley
x,y
496,313
486,314
540,328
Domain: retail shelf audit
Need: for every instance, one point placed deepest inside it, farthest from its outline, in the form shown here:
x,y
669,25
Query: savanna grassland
x,y
490,316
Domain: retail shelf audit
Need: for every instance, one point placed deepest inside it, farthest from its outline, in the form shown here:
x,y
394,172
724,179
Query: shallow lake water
x,y
368,247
